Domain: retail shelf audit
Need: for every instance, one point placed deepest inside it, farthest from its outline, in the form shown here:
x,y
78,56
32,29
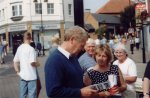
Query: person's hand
x,y
104,94
88,91
114,90
17,73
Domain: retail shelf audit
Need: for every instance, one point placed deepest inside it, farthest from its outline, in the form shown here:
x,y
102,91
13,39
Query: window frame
x,y
69,9
38,8
17,10
50,8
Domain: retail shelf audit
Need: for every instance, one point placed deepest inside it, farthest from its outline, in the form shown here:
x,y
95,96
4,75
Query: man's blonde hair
x,y
76,32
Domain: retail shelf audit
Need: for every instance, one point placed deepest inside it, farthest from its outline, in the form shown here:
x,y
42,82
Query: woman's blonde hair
x,y
106,49
55,40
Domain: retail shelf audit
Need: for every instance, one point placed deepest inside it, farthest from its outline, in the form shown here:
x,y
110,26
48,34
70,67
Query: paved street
x,y
9,81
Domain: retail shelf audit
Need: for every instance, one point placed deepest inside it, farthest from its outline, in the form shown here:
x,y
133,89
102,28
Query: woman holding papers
x,y
105,77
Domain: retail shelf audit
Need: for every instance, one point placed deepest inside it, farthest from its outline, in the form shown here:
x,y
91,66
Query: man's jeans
x,y
28,88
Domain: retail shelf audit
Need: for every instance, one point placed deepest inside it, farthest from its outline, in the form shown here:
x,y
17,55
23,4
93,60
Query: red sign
x,y
140,6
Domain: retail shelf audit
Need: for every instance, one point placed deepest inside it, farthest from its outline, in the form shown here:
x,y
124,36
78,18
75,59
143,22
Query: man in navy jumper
x,y
63,74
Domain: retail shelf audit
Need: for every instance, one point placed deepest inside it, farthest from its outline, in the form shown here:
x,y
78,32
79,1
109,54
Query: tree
x,y
127,18
101,31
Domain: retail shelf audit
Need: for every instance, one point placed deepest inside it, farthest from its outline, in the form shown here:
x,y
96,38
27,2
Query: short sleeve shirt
x,y
25,55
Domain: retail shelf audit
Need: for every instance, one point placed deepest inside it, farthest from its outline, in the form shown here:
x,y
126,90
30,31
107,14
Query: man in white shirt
x,y
25,66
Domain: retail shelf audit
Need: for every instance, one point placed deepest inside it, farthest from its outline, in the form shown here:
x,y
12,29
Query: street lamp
x,y
143,17
41,27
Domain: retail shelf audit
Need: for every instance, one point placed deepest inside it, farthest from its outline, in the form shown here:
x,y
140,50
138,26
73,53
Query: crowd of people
x,y
104,70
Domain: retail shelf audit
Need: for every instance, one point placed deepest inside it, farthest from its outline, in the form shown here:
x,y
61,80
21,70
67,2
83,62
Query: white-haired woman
x,y
128,69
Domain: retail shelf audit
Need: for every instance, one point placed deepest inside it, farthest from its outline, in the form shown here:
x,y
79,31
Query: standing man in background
x,y
25,67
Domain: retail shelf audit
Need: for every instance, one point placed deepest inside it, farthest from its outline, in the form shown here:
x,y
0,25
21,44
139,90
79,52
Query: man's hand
x,y
88,92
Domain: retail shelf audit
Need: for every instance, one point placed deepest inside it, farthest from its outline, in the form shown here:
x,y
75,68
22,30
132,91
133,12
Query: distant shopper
x,y
25,67
137,42
132,44
1,53
5,43
146,82
39,48
55,43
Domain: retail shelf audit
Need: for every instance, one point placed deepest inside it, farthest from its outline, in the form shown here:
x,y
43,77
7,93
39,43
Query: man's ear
x,y
72,39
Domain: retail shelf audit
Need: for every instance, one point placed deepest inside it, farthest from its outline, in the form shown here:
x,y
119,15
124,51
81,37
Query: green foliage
x,y
101,31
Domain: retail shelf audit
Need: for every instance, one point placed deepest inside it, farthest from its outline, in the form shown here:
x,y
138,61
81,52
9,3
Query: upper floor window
x,y
69,9
50,8
17,10
38,8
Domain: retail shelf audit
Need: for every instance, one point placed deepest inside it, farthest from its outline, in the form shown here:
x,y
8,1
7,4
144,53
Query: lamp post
x,y
42,30
143,17
41,27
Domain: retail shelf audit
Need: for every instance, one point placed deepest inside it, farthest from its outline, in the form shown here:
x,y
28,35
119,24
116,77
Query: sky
x,y
94,5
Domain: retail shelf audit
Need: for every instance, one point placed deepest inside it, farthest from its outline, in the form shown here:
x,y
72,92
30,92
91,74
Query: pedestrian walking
x,y
132,44
146,82
63,74
128,69
137,42
25,67
39,48
2,53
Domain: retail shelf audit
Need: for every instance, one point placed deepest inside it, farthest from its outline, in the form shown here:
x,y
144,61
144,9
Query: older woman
x,y
128,69
100,73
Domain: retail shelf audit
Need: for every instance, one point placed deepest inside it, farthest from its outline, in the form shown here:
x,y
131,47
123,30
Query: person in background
x,y
103,40
39,48
123,40
132,44
25,67
146,82
55,43
87,59
63,74
1,53
137,42
5,43
97,42
128,69
101,72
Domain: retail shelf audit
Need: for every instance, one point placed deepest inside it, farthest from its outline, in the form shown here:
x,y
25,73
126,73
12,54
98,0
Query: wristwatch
x,y
146,94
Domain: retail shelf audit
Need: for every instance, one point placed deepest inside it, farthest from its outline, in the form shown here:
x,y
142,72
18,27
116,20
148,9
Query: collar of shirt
x,y
64,52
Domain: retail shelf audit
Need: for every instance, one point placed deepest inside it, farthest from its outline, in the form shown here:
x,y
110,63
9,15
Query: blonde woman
x,y
101,72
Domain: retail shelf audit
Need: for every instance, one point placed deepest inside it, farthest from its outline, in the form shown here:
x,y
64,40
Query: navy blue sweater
x,y
63,76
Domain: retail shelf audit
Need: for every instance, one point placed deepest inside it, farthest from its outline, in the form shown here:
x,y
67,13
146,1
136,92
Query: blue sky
x,y
94,5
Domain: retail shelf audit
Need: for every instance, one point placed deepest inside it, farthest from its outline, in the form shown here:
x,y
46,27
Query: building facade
x,y
43,18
